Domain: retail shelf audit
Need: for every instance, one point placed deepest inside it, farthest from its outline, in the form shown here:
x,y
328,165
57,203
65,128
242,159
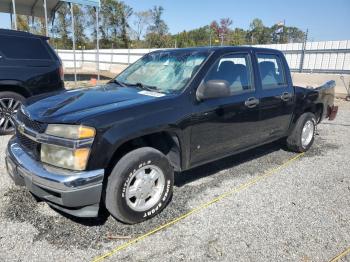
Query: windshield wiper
x,y
138,84
147,87
120,83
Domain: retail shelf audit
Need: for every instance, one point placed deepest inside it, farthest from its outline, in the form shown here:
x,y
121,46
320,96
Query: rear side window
x,y
271,71
16,47
236,70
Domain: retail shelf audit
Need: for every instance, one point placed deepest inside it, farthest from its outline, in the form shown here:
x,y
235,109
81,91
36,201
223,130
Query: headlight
x,y
75,159
70,131
69,158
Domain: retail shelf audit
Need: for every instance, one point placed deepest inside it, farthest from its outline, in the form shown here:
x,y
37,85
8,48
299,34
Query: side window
x,y
236,70
16,47
271,71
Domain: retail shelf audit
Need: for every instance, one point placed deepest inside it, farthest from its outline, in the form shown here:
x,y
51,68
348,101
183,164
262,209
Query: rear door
x,y
276,95
221,126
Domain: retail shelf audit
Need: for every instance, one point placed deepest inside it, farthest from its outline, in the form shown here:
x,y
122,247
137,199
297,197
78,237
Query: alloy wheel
x,y
307,133
8,109
145,188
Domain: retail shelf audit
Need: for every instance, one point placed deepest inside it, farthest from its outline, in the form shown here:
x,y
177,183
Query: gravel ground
x,y
301,213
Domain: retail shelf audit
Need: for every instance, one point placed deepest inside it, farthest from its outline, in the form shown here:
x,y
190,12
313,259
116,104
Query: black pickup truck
x,y
117,146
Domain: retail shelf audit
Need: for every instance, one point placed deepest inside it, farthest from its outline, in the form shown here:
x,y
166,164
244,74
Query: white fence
x,y
317,57
107,57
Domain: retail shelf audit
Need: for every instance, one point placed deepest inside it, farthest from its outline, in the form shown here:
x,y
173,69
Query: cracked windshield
x,y
165,71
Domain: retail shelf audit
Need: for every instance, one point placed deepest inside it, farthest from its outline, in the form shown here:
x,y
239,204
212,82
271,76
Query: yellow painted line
x,y
341,255
199,208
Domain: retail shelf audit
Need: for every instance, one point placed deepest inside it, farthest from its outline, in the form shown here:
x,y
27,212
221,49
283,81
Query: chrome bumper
x,y
76,193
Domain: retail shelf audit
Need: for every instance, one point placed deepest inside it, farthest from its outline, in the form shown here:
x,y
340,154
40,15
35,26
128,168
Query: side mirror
x,y
213,89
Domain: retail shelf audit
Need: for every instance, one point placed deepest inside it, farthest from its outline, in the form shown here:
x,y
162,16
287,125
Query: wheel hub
x,y
145,188
307,133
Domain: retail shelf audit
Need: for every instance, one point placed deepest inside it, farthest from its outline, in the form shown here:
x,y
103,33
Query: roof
x,y
30,7
222,48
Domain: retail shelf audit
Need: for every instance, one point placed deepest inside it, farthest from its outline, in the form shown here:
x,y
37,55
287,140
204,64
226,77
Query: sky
x,y
325,19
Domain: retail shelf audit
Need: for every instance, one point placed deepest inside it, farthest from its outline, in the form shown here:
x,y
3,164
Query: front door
x,y
222,125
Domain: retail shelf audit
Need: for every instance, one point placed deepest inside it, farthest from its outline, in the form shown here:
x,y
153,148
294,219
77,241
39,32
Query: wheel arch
x,y
15,87
166,142
317,110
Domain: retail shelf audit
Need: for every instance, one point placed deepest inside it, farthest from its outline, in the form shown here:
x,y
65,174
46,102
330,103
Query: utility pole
x,y
303,52
222,39
73,36
46,23
97,12
210,32
14,13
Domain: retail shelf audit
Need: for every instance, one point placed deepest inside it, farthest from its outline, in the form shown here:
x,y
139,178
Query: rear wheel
x,y
140,185
9,104
303,134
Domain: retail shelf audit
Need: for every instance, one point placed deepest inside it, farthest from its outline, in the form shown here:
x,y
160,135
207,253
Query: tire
x,y
10,102
303,134
124,202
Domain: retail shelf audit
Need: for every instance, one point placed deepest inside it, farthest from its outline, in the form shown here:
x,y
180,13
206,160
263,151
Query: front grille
x,y
30,146
34,125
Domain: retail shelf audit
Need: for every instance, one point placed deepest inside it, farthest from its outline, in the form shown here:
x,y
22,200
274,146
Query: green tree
x,y
258,33
79,25
158,25
195,37
157,35
114,24
295,35
125,13
237,37
142,21
61,28
23,22
222,28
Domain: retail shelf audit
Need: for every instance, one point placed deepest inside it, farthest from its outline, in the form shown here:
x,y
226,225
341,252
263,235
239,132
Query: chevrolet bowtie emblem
x,y
21,127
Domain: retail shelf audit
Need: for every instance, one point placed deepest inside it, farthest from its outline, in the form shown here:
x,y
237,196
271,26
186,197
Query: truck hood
x,y
85,102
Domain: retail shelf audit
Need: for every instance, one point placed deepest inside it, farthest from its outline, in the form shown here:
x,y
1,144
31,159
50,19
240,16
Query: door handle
x,y
286,96
251,102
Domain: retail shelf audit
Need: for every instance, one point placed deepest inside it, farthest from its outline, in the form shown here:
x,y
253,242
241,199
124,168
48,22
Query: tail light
x,y
61,72
332,112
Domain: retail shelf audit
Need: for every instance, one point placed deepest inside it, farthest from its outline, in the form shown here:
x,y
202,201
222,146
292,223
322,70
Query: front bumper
x,y
75,193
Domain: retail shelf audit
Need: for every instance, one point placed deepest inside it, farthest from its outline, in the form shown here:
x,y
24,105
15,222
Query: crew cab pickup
x,y
118,145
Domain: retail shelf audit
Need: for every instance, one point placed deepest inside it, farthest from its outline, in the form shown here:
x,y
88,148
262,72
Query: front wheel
x,y
303,134
140,185
9,104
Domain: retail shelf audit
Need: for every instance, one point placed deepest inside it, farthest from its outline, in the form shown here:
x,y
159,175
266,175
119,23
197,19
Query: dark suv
x,y
28,66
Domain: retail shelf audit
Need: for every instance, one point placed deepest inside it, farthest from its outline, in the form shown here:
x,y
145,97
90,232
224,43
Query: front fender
x,y
109,140
108,144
